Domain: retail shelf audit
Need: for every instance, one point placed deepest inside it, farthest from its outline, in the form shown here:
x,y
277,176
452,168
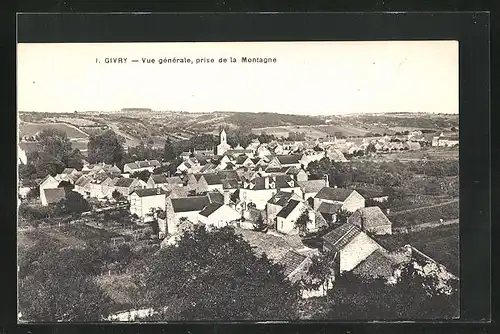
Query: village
x,y
263,191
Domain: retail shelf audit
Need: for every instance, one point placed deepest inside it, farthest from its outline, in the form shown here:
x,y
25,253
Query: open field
x,y
440,243
429,214
432,153
31,129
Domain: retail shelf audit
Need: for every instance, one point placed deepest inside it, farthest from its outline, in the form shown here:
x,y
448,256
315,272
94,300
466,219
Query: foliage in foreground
x,y
214,275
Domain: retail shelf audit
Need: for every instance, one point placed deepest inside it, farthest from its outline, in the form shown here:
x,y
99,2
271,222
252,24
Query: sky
x,y
308,78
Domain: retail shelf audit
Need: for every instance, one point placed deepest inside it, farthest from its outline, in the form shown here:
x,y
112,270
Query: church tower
x,y
223,147
223,138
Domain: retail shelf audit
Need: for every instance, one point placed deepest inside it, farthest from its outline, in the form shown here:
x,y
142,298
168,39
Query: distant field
x,y
440,243
439,153
32,129
322,131
424,215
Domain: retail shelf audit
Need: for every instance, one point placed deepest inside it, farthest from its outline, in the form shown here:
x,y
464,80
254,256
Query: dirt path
x,y
425,207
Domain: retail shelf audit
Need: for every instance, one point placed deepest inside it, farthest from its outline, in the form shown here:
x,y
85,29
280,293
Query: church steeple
x,y
223,139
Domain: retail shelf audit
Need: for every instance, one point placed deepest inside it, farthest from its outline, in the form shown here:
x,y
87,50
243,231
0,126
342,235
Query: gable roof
x,y
54,195
272,245
311,186
174,180
285,212
230,184
341,236
281,198
334,194
159,179
373,215
369,192
188,204
376,265
68,170
215,197
290,261
148,192
47,178
212,179
228,174
211,208
281,181
329,208
124,182
288,159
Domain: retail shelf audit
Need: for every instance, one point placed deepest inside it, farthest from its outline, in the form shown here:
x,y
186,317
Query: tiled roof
x,y
215,197
68,170
187,204
228,174
281,198
174,180
229,184
311,186
131,165
292,204
290,261
372,215
211,208
124,182
329,208
149,192
281,181
369,192
54,195
288,159
159,179
272,245
376,265
212,179
333,194
341,236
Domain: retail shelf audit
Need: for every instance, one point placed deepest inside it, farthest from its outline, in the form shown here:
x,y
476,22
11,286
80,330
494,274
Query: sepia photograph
x,y
238,181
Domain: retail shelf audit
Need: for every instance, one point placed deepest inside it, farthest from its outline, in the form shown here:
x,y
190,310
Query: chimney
x,y
266,182
326,180
335,186
388,211
158,191
227,197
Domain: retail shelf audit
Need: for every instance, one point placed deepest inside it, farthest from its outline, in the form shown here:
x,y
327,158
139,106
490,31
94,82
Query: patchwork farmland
x,y
31,129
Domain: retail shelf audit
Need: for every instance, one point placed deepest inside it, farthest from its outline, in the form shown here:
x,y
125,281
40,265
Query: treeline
x,y
409,122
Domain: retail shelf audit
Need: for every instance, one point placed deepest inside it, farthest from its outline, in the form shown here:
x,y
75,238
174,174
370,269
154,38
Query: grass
x,y
424,215
32,129
440,243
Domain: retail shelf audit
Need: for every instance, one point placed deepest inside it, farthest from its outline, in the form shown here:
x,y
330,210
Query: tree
x,y
60,285
215,275
74,204
342,216
321,272
371,148
141,175
413,297
116,195
259,223
168,150
55,143
302,221
33,193
105,147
